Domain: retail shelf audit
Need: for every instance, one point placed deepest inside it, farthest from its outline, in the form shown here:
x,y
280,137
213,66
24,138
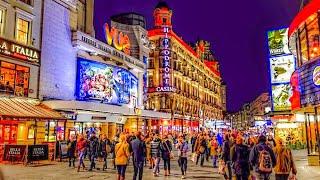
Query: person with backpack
x,y
285,163
166,154
262,158
156,154
240,159
182,147
138,149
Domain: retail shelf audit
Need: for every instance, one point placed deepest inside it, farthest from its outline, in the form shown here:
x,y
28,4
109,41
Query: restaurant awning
x,y
26,108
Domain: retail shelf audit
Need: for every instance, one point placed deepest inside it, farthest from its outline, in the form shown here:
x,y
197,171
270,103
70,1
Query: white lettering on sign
x,y
166,64
14,151
165,89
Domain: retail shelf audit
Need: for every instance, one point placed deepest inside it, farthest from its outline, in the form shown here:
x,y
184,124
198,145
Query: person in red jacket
x,y
81,149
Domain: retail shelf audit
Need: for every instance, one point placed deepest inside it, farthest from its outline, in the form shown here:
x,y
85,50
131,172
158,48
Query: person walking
x,y
104,147
226,154
138,149
214,151
182,147
93,150
193,142
72,145
156,154
285,163
81,149
262,158
148,153
166,154
240,159
122,155
201,148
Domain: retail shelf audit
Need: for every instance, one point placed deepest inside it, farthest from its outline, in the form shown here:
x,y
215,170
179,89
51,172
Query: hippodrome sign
x,y
117,39
166,58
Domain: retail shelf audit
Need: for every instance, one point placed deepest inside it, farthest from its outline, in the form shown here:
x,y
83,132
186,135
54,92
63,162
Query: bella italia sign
x,y
11,49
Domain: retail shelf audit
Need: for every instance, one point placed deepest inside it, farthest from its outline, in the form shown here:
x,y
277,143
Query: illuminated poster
x,y
281,68
278,42
281,97
107,83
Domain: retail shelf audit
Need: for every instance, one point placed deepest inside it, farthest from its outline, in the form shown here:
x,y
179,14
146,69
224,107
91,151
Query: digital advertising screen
x,y
278,42
281,68
107,83
281,94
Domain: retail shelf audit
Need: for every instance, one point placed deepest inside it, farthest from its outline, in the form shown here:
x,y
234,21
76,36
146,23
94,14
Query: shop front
x,y
25,122
304,41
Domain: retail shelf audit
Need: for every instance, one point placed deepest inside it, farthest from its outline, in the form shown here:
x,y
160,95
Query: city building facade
x,y
182,80
304,42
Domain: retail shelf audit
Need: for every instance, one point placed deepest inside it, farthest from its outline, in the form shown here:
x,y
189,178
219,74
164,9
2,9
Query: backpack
x,y
264,162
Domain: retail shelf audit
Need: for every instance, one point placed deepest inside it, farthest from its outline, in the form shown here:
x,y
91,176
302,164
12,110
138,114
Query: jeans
x,y
72,159
156,168
183,165
262,176
92,162
122,170
282,176
228,164
214,161
81,158
201,157
138,169
166,164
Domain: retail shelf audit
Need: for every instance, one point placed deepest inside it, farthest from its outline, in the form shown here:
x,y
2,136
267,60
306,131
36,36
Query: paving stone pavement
x,y
60,170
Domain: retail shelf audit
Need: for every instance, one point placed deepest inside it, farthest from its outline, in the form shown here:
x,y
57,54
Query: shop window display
x,y
54,131
14,79
292,134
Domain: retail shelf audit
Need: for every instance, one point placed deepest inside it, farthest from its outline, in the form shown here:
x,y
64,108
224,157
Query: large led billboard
x,y
106,83
281,68
278,42
281,97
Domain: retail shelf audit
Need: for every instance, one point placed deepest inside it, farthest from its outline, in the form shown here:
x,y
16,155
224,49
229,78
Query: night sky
x,y
236,30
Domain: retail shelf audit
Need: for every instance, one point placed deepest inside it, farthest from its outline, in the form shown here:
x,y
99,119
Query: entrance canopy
x,y
26,108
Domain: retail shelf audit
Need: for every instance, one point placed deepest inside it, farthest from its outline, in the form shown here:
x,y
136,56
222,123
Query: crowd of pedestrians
x,y
237,155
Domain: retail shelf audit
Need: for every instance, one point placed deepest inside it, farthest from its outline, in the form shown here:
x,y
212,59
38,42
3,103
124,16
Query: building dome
x,y
162,4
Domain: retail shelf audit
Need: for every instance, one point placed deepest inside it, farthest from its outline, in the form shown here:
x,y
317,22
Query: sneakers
x,y
182,177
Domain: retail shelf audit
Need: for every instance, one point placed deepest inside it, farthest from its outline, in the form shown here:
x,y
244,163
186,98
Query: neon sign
x,y
117,39
165,55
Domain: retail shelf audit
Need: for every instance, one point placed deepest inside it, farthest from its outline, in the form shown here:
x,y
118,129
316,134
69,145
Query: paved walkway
x,y
60,170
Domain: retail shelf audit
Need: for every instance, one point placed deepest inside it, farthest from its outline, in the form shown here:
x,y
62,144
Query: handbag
x,y
171,155
222,167
194,157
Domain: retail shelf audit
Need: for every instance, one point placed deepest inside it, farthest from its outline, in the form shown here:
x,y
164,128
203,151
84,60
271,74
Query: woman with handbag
x,y
122,157
166,154
182,147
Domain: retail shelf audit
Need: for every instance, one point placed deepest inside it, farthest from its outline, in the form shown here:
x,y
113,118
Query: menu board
x,y
14,152
38,152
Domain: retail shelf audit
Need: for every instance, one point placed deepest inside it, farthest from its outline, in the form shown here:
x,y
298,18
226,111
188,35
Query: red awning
x,y
303,15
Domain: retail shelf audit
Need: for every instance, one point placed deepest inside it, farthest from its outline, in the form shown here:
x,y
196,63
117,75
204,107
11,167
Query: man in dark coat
x,y
138,149
93,148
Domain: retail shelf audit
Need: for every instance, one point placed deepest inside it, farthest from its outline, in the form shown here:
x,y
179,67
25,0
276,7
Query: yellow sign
x,y
117,39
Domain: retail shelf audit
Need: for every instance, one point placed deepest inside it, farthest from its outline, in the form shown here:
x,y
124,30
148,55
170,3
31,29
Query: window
x,y
2,20
14,79
151,63
29,2
22,31
150,81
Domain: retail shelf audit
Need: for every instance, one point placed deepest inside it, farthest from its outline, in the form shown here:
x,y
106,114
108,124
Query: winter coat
x,y
183,149
166,149
213,148
122,153
240,159
81,145
72,145
138,149
254,155
285,162
226,151
93,146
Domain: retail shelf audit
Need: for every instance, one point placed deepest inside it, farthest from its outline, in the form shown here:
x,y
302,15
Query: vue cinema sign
x,y
117,39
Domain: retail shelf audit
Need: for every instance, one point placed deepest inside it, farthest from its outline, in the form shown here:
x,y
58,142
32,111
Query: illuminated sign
x,y
117,39
278,42
316,76
281,97
12,49
106,83
281,68
165,55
